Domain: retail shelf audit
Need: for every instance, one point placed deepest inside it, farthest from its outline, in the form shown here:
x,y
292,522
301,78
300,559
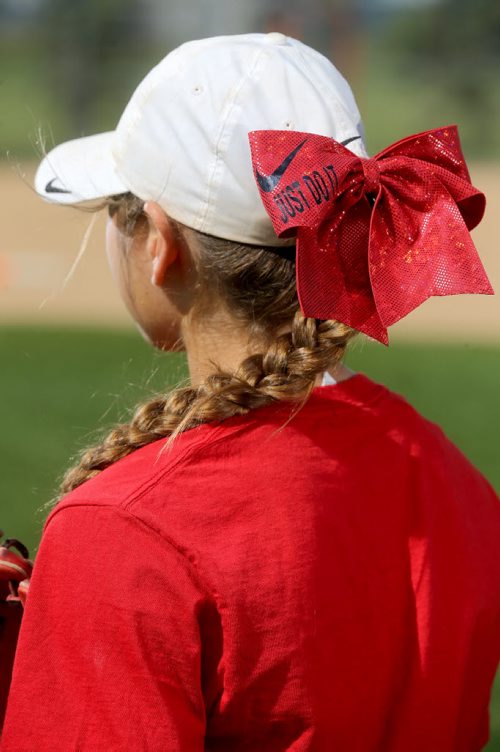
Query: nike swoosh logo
x,y
349,140
269,182
51,188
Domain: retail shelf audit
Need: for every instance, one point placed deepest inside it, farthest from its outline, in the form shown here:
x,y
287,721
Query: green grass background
x,y
61,388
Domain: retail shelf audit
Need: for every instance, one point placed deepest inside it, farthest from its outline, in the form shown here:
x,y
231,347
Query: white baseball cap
x,y
183,137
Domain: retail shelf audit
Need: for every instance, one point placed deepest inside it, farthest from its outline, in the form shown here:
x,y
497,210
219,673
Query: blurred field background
x,y
71,362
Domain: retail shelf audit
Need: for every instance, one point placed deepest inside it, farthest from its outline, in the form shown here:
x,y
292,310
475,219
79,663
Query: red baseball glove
x,y
15,571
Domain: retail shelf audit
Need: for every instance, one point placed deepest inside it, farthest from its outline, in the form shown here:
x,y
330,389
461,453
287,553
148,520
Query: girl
x,y
282,555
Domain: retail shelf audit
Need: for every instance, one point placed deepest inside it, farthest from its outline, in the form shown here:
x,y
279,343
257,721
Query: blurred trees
x,y
454,44
69,66
90,40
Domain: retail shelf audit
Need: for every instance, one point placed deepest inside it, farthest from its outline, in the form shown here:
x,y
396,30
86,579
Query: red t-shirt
x,y
327,583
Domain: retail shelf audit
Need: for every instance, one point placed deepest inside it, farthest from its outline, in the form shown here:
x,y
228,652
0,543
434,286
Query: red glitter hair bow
x,y
375,237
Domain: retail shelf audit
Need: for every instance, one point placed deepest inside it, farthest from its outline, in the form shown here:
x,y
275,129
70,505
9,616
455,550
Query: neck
x,y
218,344
215,344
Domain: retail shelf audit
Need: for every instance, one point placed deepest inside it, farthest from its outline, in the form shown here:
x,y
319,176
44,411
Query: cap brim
x,y
79,170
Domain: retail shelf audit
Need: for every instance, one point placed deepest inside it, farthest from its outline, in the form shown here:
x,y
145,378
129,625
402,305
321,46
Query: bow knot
x,y
368,263
371,171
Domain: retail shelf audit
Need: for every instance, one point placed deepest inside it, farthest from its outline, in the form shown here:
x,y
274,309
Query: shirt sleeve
x,y
108,656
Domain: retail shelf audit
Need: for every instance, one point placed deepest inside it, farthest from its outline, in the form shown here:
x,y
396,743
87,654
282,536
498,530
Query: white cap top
x,y
183,138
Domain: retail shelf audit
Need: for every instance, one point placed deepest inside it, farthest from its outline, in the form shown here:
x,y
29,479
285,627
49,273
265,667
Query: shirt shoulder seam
x,y
189,558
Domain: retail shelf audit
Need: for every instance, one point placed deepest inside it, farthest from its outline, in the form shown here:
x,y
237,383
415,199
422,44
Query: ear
x,y
162,242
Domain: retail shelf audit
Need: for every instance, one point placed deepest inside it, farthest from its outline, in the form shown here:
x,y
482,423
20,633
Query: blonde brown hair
x,y
257,286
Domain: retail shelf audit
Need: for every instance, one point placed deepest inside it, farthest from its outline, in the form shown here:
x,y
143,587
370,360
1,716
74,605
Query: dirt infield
x,y
40,242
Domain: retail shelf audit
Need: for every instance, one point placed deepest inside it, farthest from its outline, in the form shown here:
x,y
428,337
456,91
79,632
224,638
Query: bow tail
x,y
439,257
333,280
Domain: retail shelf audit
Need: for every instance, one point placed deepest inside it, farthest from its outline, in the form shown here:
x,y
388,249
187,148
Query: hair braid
x,y
259,288
284,372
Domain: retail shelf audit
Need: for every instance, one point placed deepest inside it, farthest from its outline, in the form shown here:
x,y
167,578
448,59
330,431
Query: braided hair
x,y
257,286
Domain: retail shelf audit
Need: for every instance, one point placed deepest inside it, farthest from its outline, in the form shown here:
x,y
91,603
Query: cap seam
x,y
318,85
212,184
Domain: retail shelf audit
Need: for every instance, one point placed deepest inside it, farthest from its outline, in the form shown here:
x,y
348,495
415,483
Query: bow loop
x,y
369,263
